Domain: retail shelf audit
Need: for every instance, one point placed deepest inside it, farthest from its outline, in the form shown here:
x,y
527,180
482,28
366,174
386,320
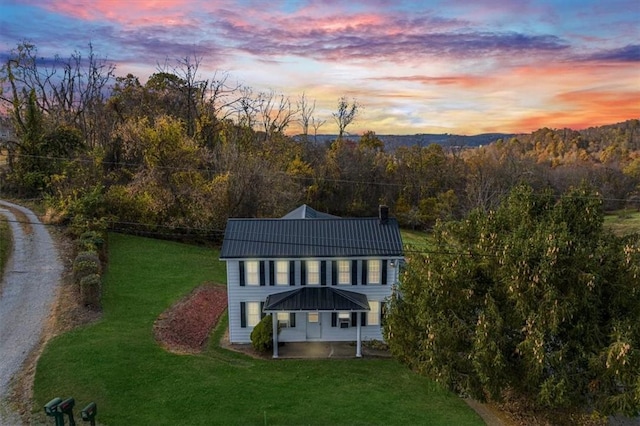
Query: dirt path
x,y
29,287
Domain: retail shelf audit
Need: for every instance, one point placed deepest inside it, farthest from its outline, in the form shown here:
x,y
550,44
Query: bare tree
x,y
306,111
316,124
222,96
246,107
275,111
346,114
190,88
68,92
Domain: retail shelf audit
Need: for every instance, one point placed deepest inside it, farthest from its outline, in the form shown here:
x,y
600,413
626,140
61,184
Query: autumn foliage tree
x,y
534,297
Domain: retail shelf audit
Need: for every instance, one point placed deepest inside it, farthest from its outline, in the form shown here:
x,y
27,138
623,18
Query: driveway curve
x,y
26,295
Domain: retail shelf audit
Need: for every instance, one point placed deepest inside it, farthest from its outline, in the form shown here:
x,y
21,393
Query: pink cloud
x,y
125,12
465,81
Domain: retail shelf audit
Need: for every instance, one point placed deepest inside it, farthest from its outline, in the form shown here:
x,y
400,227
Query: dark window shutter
x,y
334,272
334,319
292,319
292,272
262,275
363,318
241,272
303,272
243,315
383,311
262,313
323,272
354,272
354,319
272,271
383,279
365,271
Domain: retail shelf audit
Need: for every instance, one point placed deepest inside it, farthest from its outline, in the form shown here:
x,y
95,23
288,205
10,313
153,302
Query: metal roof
x,y
306,212
317,299
303,238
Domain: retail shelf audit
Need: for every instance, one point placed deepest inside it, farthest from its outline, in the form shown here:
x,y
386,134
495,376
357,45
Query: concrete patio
x,y
318,350
310,350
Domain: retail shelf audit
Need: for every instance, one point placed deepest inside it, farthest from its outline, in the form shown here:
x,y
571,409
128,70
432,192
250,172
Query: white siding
x,y
238,294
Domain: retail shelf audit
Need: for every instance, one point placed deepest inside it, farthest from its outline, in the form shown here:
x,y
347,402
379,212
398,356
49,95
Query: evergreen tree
x,y
535,297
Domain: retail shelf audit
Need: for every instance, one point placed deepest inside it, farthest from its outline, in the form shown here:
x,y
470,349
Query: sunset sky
x,y
463,66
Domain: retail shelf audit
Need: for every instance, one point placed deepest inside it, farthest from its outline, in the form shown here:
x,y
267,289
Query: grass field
x,y
623,222
417,240
117,363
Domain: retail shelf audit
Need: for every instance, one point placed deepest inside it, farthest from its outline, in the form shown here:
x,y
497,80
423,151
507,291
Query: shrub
x,y
90,287
262,335
86,263
92,241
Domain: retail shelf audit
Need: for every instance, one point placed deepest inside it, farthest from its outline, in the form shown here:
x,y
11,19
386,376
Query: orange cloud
x,y
582,109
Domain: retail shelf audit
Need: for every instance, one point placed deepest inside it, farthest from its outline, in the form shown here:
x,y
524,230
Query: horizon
x,y
465,69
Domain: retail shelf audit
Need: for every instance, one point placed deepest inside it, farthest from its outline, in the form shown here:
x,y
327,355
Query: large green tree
x,y
534,297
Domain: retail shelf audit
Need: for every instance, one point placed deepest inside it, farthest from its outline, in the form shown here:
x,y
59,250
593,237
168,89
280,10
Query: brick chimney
x,y
383,213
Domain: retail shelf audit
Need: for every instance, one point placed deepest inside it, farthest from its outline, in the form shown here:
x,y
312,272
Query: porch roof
x,y
316,299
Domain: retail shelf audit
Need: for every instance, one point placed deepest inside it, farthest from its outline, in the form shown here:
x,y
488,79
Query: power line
x,y
287,240
413,184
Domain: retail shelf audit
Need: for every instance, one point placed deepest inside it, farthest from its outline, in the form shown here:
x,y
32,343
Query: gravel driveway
x,y
26,297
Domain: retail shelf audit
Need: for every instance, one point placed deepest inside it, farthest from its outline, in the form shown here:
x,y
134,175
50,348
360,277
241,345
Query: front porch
x,y
343,306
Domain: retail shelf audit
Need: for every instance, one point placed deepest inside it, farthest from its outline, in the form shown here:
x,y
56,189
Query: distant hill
x,y
391,142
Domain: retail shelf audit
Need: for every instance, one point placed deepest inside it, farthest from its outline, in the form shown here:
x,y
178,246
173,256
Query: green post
x,y
66,407
51,410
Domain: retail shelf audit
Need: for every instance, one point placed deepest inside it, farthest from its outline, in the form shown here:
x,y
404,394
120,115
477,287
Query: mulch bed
x,y
185,326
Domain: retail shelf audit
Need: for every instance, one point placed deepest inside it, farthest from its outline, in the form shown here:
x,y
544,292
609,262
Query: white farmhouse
x,y
322,277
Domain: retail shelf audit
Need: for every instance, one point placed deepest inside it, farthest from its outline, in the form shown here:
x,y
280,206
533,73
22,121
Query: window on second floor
x,y
282,272
344,272
373,273
252,272
313,272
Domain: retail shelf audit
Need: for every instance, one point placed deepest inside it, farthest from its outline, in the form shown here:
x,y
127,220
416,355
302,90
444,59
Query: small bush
x,y
86,263
262,335
90,241
90,287
94,240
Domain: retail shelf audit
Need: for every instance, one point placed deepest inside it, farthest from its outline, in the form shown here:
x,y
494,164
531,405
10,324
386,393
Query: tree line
x,y
182,153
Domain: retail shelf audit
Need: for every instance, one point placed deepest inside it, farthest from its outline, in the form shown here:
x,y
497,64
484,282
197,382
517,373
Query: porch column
x,y
358,340
274,318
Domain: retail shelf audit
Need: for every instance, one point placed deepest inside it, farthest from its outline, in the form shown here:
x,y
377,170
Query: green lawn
x,y
623,222
117,363
420,240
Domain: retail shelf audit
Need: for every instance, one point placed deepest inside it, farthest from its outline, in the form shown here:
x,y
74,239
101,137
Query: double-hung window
x,y
373,316
313,272
373,273
282,272
253,313
252,272
344,272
